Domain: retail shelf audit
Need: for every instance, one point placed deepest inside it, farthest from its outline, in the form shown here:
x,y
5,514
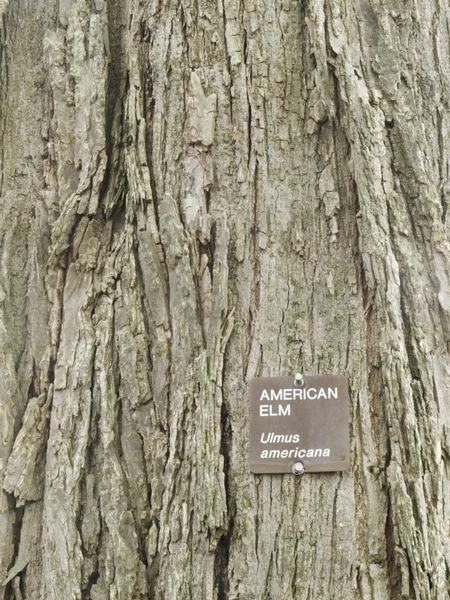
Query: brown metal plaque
x,y
293,423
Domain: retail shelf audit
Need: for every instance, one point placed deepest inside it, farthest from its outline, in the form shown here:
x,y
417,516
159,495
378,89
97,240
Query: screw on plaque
x,y
298,380
298,468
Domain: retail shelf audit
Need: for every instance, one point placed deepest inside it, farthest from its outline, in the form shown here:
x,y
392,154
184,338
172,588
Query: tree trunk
x,y
194,194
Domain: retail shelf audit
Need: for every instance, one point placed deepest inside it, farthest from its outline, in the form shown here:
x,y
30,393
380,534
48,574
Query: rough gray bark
x,y
194,194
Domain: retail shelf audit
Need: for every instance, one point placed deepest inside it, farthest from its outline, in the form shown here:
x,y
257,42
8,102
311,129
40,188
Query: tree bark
x,y
194,194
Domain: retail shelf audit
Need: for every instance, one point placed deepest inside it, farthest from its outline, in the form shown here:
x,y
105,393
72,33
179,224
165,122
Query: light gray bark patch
x,y
24,476
201,112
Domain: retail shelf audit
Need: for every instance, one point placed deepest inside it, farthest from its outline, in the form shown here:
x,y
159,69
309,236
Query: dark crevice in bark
x,y
248,72
92,580
227,61
183,29
221,568
394,576
149,108
116,71
222,550
255,264
148,488
209,249
17,528
444,200
117,85
34,382
89,467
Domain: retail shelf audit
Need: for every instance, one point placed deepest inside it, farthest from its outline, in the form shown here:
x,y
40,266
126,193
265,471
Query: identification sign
x,y
299,424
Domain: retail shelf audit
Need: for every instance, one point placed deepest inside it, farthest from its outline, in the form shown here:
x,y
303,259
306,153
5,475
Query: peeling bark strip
x,y
194,194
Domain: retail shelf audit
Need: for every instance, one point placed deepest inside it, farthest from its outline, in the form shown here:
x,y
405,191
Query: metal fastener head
x,y
298,380
298,468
